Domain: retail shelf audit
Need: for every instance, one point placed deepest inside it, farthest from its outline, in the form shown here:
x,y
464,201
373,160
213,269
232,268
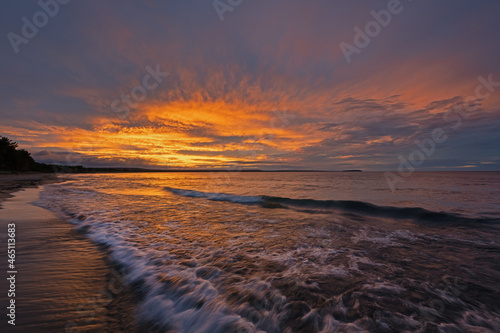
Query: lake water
x,y
296,252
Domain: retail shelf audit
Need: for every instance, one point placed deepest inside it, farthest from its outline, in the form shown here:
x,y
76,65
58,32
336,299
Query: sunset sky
x,y
261,84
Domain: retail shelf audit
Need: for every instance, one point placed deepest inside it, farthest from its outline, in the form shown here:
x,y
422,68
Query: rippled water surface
x,y
297,252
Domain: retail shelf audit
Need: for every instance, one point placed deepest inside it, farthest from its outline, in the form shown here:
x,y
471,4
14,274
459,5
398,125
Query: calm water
x,y
297,252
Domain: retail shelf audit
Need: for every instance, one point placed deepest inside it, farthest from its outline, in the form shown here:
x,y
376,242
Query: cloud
x,y
267,86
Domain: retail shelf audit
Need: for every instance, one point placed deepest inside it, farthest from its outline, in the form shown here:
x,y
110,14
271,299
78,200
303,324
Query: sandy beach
x,y
63,282
10,183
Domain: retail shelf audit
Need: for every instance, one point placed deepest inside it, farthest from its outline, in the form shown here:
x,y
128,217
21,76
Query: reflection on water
x,y
228,256
62,281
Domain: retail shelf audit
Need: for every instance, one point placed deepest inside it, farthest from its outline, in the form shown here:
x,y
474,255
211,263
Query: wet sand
x,y
63,282
10,183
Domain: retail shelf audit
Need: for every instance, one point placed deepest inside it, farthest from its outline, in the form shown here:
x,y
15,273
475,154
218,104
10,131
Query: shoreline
x,y
64,281
11,183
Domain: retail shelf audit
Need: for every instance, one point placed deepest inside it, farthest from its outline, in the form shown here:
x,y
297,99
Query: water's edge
x,y
65,283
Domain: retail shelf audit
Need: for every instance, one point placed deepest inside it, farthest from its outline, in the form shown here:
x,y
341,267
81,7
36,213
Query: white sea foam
x,y
217,196
174,296
200,268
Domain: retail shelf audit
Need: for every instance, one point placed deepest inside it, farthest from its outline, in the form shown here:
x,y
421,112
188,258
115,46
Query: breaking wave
x,y
349,206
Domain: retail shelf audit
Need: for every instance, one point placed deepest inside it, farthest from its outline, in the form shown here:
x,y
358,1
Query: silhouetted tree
x,y
13,159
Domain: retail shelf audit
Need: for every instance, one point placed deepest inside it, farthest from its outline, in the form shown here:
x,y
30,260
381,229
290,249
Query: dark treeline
x,y
18,160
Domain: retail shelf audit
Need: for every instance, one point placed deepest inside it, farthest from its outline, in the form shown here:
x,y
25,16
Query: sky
x,y
268,84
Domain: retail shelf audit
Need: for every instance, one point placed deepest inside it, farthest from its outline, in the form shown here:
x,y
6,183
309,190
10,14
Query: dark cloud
x,y
227,78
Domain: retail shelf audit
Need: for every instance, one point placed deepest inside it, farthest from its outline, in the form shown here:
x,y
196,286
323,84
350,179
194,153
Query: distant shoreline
x,y
44,176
